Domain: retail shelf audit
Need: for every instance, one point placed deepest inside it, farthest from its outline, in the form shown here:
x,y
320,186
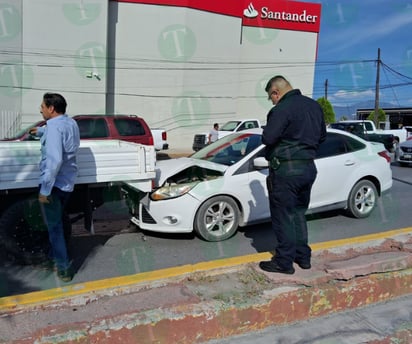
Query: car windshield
x,y
21,133
229,126
229,149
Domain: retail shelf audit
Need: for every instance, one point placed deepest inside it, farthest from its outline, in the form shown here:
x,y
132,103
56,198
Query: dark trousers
x,y
289,189
53,217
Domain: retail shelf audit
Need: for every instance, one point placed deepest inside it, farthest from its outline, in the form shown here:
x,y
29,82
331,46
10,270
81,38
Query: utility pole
x,y
378,65
326,89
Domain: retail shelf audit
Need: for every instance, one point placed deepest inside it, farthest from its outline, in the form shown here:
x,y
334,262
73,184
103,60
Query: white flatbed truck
x,y
108,170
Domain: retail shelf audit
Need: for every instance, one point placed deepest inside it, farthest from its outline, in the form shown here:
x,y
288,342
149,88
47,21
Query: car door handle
x,y
349,163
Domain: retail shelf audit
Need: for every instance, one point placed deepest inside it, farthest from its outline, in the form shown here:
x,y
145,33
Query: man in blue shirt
x,y
60,142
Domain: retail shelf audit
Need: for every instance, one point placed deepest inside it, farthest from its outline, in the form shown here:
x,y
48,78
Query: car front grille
x,y
406,149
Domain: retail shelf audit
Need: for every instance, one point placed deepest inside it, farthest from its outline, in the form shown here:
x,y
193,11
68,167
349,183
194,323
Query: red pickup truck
x,y
130,128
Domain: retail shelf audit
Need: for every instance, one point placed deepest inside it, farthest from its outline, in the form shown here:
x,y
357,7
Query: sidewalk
x,y
208,301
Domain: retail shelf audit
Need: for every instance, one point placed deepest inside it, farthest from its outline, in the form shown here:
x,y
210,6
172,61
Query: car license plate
x,y
407,156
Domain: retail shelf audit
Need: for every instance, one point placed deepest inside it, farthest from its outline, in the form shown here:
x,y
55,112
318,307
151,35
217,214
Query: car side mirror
x,y
260,163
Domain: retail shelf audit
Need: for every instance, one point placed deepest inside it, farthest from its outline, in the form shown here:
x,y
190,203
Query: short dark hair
x,y
274,79
215,125
57,100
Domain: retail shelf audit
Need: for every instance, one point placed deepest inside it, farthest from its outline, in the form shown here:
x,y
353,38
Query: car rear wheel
x,y
217,219
362,199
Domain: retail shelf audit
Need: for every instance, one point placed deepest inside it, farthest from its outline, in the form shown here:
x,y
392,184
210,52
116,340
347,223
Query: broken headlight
x,y
172,191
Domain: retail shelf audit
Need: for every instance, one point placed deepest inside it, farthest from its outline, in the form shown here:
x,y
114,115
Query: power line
x,y
396,72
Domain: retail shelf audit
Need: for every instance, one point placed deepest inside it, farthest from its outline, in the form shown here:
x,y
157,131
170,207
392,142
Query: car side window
x,y
336,144
352,144
128,127
92,128
251,125
368,126
333,145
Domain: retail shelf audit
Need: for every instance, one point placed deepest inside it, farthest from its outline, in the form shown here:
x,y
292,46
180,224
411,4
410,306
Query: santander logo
x,y
250,12
288,14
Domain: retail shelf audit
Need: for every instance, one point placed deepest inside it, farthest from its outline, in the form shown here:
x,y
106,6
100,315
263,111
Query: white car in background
x,y
404,152
223,186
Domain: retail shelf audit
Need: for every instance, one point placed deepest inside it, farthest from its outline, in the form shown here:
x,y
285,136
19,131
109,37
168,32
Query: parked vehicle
x,y
367,130
160,139
128,128
223,186
104,167
404,152
201,140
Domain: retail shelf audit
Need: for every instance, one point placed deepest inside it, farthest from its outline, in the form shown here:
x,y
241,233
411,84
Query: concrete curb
x,y
220,302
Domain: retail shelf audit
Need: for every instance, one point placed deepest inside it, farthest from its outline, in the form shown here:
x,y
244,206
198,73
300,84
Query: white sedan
x,y
223,186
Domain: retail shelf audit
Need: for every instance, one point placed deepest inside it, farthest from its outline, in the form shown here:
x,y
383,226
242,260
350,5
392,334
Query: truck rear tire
x,y
23,234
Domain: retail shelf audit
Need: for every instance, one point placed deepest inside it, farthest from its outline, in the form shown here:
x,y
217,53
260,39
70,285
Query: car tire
x,y
362,199
217,219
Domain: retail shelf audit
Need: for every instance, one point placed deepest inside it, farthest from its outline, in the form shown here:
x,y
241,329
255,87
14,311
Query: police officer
x,y
295,128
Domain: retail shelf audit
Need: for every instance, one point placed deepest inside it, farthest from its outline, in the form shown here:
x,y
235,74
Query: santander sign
x,y
276,14
290,15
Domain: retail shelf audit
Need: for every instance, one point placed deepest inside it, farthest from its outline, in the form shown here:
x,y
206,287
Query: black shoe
x,y
303,265
272,266
65,275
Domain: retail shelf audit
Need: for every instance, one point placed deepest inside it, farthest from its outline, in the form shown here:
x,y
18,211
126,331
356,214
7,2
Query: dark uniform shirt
x,y
295,128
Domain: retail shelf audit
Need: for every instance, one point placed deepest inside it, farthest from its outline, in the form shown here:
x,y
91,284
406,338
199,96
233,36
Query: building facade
x,y
180,64
397,117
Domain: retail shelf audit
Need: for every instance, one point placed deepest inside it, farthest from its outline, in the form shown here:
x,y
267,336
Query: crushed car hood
x,y
168,168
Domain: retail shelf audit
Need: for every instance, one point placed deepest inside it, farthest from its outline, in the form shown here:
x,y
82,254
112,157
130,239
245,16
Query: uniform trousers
x,y
289,187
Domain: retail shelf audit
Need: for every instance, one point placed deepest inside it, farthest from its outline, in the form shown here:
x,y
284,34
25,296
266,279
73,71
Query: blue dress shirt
x,y
60,142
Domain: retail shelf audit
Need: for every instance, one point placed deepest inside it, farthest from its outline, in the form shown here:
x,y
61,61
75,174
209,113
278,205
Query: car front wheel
x,y
217,219
362,199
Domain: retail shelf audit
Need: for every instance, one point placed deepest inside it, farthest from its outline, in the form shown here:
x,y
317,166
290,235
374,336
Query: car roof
x,y
329,130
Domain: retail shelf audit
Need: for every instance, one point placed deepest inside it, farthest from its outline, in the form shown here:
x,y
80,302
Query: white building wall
x,y
52,46
180,71
10,65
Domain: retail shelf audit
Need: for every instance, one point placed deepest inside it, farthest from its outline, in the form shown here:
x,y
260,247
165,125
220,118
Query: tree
x,y
381,116
327,108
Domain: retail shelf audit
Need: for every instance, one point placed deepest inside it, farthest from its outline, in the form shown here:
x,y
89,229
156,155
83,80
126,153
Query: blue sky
x,y
350,35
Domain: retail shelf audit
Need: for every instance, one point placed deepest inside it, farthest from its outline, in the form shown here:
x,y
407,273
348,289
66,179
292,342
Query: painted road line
x,y
118,283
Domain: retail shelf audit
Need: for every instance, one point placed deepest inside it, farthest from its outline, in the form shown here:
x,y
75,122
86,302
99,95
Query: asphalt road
x,y
118,249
